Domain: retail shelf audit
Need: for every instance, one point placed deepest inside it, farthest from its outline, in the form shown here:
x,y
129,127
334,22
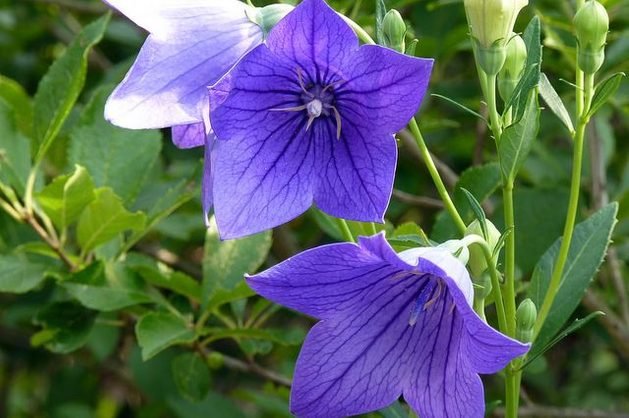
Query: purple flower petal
x,y
383,87
390,325
309,117
192,44
314,37
189,136
355,173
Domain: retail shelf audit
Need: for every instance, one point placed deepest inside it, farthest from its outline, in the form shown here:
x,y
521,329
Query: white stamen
x,y
314,108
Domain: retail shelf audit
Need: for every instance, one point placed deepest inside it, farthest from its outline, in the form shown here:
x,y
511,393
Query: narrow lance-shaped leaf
x,y
15,156
517,140
604,91
381,11
587,250
59,89
554,102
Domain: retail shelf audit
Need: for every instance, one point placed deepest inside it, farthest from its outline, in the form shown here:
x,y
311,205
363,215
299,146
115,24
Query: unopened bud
x,y
268,16
215,360
591,26
526,315
477,263
491,22
514,66
458,249
394,31
482,286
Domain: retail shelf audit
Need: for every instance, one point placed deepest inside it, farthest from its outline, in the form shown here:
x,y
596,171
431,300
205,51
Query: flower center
x,y
317,101
427,297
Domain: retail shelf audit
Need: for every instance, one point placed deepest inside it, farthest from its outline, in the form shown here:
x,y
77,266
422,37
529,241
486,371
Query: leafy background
x,y
159,322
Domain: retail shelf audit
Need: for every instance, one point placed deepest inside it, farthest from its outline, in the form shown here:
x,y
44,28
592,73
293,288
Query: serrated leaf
x,y
67,326
222,296
289,336
226,262
570,329
15,156
16,97
587,250
19,275
554,102
517,139
604,91
106,287
157,331
59,89
160,275
64,199
104,218
115,157
192,376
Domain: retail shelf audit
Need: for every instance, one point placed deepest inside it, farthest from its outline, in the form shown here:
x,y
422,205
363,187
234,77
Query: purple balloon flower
x,y
310,116
390,324
192,44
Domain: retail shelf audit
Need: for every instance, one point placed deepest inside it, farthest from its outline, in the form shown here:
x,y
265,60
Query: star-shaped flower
x,y
192,44
310,116
390,324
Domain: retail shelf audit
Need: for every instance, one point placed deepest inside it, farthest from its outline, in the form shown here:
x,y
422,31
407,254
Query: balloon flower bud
x,y
591,25
458,249
394,31
514,66
482,286
267,17
491,22
525,317
477,263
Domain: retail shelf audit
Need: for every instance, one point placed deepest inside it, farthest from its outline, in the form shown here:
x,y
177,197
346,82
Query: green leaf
x,y
604,91
460,106
163,276
381,11
157,331
479,213
104,218
17,98
587,250
530,78
554,102
517,139
481,182
289,336
408,235
394,411
226,262
19,275
570,329
64,199
59,89
218,405
15,155
67,326
118,158
191,376
223,296
106,287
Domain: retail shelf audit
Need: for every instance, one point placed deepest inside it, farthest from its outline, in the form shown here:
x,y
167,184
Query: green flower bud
x,y
215,360
525,317
394,31
458,249
477,263
267,17
591,26
491,22
482,286
514,66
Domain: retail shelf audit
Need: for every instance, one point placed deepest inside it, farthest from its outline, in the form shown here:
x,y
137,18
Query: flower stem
x,y
573,204
436,178
347,233
513,376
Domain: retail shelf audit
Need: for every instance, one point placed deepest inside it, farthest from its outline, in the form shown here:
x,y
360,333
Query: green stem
x,y
509,286
436,178
347,233
573,205
494,116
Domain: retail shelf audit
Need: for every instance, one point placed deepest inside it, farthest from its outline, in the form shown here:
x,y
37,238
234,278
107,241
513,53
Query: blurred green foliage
x,y
168,329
